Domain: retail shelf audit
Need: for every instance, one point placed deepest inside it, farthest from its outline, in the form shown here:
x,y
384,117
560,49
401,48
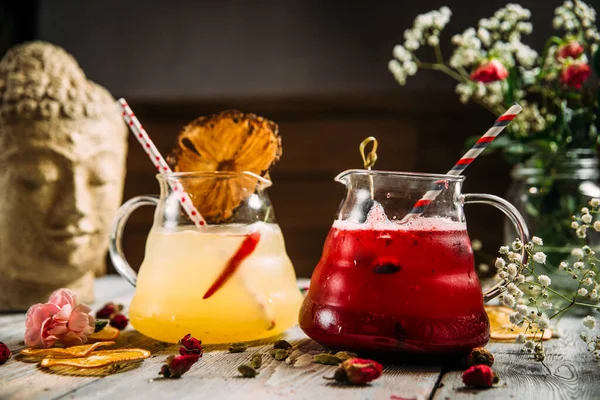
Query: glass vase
x,y
548,195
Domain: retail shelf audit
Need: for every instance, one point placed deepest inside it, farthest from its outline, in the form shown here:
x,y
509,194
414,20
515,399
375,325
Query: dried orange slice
x,y
67,352
98,359
502,329
107,333
228,142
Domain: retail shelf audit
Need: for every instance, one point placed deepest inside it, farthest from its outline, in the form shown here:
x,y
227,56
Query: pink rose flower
x,y
59,320
490,71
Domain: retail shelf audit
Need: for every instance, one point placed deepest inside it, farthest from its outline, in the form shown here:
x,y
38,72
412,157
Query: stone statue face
x,y
60,186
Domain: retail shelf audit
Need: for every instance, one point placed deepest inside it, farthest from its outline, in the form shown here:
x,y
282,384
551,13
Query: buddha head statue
x,y
63,146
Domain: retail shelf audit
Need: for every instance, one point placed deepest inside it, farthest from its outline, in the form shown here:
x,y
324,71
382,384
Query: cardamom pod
x,y
344,355
256,361
303,361
238,347
272,352
281,354
247,371
327,359
281,344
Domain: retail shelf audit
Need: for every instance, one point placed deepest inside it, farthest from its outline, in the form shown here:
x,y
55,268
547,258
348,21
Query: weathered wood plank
x,y
569,372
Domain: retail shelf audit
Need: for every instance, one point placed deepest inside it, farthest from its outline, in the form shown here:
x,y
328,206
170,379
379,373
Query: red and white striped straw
x,y
159,162
466,160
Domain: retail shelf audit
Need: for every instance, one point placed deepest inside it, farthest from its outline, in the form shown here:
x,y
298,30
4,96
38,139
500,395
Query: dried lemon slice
x,y
502,329
228,142
98,359
107,333
67,352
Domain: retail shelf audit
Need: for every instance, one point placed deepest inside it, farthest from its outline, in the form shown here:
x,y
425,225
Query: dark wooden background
x,y
316,67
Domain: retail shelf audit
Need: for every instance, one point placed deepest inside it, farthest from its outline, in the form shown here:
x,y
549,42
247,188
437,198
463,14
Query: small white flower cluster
x,y
426,30
590,336
531,120
585,221
577,17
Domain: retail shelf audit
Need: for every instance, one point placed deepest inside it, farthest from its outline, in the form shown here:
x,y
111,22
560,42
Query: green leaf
x,y
100,324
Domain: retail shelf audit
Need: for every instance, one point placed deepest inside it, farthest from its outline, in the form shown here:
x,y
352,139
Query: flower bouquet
x,y
552,142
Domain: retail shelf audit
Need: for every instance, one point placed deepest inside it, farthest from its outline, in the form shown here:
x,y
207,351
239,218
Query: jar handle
x,y
116,235
515,217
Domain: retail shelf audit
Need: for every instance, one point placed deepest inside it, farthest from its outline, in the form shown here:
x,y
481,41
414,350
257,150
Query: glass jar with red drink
x,y
388,282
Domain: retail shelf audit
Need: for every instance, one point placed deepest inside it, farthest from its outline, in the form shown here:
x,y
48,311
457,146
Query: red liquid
x,y
396,290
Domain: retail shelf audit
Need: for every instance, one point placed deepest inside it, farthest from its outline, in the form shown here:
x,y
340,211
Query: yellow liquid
x,y
260,299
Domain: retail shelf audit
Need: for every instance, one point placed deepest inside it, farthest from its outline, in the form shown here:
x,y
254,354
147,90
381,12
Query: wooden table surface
x,y
569,371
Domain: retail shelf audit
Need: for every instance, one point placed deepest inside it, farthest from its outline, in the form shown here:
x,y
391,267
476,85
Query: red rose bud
x,y
119,321
358,371
4,353
490,71
572,49
108,309
178,365
575,73
479,376
190,345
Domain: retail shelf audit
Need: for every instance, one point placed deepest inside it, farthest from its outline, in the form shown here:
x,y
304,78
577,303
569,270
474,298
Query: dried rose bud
x,y
5,353
479,376
178,365
480,356
357,371
190,345
119,321
281,344
108,309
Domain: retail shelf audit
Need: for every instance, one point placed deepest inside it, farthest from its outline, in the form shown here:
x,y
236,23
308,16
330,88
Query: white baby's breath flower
x,y
519,279
581,232
512,269
520,338
514,256
433,41
589,322
504,250
577,253
539,257
588,282
587,218
594,294
537,241
515,318
583,336
502,275
401,53
562,266
411,44
546,305
574,225
582,291
578,265
513,289
529,345
396,69
500,263
507,299
597,226
595,202
544,280
543,322
517,245
585,210
587,250
522,309
410,67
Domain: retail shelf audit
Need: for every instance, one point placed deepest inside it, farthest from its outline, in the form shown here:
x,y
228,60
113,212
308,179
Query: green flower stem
x,y
438,55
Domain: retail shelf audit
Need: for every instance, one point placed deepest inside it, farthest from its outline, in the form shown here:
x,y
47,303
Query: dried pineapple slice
x,y
502,329
98,359
107,333
68,352
227,142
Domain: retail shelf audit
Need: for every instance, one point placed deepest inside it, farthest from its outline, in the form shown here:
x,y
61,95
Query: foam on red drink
x,y
383,286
